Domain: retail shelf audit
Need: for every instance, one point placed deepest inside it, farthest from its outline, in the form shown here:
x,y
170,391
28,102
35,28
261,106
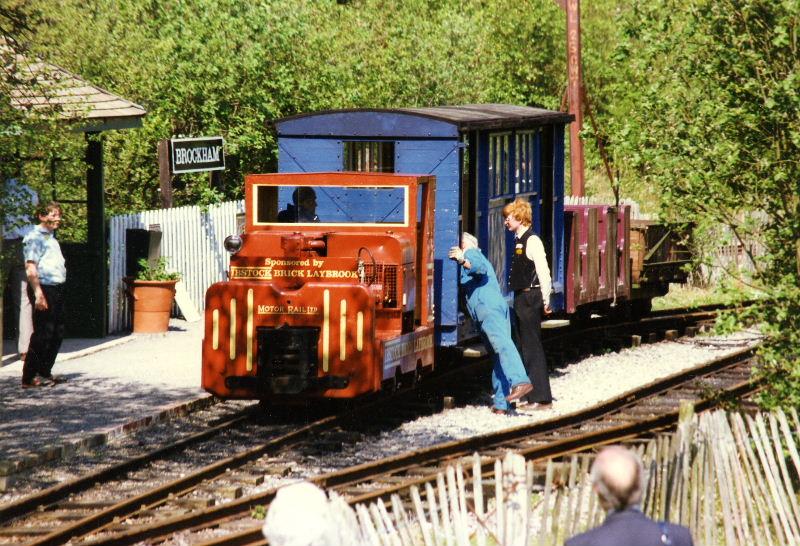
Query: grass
x,y
680,295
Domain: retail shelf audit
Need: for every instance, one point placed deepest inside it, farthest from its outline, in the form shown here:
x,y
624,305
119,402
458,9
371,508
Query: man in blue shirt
x,y
46,270
617,480
489,312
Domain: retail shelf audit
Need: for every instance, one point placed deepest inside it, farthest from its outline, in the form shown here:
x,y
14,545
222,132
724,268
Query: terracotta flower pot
x,y
152,304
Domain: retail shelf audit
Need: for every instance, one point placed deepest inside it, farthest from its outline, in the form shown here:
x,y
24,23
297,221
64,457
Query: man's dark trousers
x,y
48,332
528,307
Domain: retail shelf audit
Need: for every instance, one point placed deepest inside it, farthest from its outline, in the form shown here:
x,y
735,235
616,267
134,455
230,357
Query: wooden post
x,y
798,256
164,175
575,94
215,180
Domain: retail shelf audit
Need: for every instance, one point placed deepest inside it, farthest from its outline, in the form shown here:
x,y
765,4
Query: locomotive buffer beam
x,y
286,384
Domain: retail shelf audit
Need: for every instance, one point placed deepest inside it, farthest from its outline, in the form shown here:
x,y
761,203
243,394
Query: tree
x,y
709,114
229,67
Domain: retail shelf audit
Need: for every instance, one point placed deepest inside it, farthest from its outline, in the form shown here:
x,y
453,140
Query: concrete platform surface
x,y
114,385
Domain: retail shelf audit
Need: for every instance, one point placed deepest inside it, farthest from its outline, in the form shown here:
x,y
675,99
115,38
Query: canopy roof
x,y
45,87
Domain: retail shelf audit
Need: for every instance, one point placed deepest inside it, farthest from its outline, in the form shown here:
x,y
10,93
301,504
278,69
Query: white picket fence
x,y
191,240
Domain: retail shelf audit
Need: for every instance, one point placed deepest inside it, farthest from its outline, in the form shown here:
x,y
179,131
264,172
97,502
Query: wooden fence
x,y
191,240
731,478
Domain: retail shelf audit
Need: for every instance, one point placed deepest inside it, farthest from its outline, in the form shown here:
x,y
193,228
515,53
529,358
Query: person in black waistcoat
x,y
617,481
530,280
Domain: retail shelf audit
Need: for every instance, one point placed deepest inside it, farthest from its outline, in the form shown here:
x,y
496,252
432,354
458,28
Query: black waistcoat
x,y
523,271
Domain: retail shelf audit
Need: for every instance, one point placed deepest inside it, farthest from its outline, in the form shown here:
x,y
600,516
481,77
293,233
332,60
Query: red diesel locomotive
x,y
329,301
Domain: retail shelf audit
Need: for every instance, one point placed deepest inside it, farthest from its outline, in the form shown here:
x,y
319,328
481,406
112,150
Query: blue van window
x,y
499,157
525,162
369,156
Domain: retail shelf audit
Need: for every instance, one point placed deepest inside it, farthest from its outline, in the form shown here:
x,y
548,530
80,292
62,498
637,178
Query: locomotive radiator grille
x,y
385,275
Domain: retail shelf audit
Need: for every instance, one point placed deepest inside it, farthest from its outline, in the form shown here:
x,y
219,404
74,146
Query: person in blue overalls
x,y
489,311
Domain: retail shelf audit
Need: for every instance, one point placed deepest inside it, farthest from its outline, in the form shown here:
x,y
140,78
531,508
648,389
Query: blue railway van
x,y
483,157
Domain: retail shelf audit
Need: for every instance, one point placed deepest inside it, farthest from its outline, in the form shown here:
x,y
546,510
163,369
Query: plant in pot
x,y
152,292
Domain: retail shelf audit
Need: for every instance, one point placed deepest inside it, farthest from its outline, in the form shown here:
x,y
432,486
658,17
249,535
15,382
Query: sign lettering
x,y
189,155
397,350
287,310
270,272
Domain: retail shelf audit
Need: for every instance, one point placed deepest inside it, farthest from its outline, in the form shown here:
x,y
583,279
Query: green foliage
x,y
156,272
29,137
708,116
229,67
259,511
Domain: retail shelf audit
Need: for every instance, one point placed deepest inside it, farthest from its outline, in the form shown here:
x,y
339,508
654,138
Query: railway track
x,y
73,510
644,411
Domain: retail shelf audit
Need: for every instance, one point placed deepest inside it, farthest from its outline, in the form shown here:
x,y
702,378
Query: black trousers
x,y
48,332
528,308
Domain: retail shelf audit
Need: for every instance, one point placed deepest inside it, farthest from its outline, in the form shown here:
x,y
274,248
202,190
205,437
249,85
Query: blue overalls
x,y
490,312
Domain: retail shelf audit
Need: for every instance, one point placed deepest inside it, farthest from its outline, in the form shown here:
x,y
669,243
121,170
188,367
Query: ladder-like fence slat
x,y
727,469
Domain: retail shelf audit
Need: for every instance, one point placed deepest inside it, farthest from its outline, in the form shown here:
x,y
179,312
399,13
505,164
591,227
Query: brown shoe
x,y
52,380
499,411
35,382
518,391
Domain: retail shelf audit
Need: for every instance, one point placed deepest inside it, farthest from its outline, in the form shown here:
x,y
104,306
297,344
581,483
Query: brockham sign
x,y
190,155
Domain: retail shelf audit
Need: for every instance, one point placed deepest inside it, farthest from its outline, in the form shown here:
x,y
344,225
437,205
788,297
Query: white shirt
x,y
534,251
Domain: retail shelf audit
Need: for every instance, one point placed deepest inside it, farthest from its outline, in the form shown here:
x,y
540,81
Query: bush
x,y
157,272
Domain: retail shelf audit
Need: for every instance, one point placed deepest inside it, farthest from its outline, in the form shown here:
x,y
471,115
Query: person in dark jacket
x,y
617,480
303,207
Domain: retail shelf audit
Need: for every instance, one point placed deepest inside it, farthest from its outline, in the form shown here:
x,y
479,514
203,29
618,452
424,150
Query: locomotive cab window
x,y
369,156
340,205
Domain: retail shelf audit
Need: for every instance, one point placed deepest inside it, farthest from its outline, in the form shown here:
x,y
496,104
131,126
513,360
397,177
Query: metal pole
x,y
575,78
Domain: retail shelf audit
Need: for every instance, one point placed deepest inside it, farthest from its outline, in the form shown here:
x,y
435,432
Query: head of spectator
x,y
468,241
305,199
49,215
518,213
617,478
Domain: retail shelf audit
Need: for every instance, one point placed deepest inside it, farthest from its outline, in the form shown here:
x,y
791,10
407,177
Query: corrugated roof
x,y
71,98
470,116
480,115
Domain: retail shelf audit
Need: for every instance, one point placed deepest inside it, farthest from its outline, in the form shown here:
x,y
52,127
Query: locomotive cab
x,y
329,291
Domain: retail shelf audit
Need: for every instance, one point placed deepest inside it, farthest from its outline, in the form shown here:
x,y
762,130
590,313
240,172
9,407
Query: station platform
x,y
113,385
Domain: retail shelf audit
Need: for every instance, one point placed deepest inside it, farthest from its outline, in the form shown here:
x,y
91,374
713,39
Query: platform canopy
x,y
54,93
47,87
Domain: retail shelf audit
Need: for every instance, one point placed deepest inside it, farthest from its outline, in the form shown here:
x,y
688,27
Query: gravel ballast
x,y
575,386
578,385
